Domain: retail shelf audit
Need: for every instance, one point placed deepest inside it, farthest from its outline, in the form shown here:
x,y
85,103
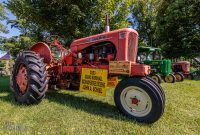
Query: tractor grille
x,y
131,49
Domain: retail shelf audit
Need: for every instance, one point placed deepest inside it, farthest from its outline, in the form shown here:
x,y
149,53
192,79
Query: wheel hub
x,y
22,79
178,77
155,78
136,101
169,78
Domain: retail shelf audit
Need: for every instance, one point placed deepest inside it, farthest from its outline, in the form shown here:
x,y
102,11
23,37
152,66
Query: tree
x,y
70,19
178,28
143,18
173,25
15,44
2,17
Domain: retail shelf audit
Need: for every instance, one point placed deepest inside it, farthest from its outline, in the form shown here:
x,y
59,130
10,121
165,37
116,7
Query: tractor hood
x,y
112,36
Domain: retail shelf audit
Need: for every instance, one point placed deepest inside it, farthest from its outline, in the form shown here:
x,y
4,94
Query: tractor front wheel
x,y
170,78
139,99
179,77
157,78
29,78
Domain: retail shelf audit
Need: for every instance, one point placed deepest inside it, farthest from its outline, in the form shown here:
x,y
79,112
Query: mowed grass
x,y
68,112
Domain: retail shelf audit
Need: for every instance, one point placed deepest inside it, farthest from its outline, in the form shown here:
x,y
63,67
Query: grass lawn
x,y
67,112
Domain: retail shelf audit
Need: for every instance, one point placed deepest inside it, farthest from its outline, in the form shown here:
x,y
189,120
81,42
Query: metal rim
x,y
136,101
155,78
169,78
22,79
178,77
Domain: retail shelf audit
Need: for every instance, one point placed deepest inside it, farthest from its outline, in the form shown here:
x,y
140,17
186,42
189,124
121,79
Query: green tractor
x,y
160,68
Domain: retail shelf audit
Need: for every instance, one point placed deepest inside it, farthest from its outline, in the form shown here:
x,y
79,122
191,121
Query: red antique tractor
x,y
182,67
50,64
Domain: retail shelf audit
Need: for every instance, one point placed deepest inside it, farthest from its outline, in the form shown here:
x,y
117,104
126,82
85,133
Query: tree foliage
x,y
67,18
15,44
144,13
178,28
173,25
2,17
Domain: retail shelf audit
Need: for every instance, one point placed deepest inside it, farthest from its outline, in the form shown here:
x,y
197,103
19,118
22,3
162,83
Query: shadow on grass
x,y
82,103
8,98
85,104
91,106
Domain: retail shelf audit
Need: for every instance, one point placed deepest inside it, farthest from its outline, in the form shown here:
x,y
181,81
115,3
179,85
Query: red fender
x,y
43,50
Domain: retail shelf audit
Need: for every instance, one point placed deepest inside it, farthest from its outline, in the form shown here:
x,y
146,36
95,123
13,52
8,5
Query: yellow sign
x,y
112,82
94,81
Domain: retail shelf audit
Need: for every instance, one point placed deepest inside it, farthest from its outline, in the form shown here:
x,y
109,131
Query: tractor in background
x,y
184,68
160,68
109,54
196,74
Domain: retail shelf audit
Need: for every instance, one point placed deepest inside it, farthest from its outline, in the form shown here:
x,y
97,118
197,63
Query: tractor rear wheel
x,y
179,77
157,78
139,99
29,78
170,78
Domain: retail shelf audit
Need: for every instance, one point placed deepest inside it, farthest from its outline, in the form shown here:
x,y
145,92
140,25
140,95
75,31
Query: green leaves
x,y
66,18
177,30
144,19
15,44
172,25
71,19
2,17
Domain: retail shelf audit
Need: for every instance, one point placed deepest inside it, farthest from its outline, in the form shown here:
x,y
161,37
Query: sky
x,y
12,31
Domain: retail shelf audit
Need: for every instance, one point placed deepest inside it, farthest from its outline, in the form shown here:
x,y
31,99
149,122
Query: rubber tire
x,y
190,76
180,75
174,78
158,77
37,78
158,87
154,93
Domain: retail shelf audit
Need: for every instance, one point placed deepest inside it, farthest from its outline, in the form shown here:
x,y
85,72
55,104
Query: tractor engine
x,y
94,56
98,54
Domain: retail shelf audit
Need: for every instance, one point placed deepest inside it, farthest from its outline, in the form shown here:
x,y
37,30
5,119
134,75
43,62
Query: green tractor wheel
x,y
179,77
157,78
170,78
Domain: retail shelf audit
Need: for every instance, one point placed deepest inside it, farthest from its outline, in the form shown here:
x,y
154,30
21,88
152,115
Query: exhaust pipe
x,y
107,23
